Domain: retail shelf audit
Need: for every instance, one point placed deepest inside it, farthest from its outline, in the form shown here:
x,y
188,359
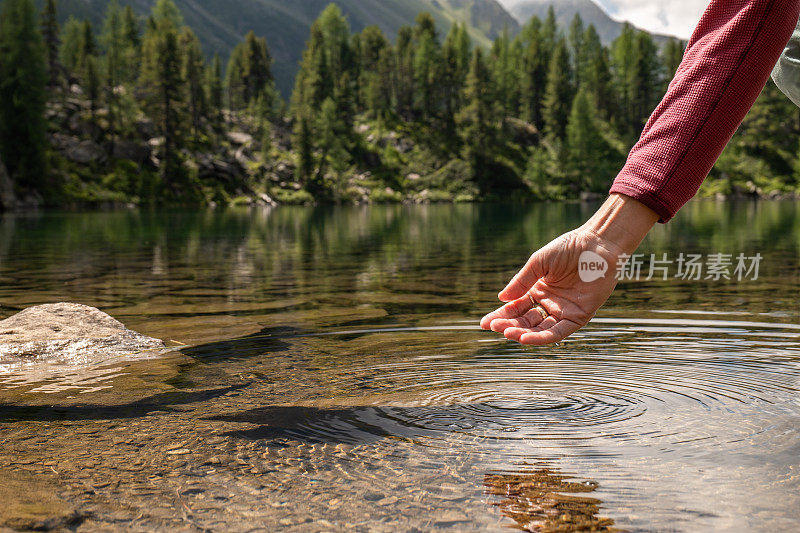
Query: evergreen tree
x,y
132,47
371,45
589,165
50,35
192,71
163,86
380,86
215,91
77,44
113,41
427,59
558,94
249,71
404,99
71,44
92,88
649,78
535,66
325,79
476,121
505,72
23,81
88,43
455,67
597,77
672,55
578,48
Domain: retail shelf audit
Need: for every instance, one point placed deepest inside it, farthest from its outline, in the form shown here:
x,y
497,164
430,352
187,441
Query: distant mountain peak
x,y
590,11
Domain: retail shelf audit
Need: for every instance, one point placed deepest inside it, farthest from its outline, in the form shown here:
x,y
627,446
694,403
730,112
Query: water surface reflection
x,y
328,374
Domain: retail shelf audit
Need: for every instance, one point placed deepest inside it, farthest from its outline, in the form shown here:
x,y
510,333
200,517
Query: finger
x,y
558,332
516,333
513,309
529,320
524,280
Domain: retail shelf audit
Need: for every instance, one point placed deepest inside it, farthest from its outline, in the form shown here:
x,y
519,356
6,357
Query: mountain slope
x,y
220,24
608,28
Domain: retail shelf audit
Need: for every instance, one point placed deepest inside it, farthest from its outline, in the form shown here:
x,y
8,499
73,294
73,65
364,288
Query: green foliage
x,y
249,73
590,160
23,80
49,28
161,83
419,115
558,92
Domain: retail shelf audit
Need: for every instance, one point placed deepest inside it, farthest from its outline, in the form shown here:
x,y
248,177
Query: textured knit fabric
x,y
726,65
787,72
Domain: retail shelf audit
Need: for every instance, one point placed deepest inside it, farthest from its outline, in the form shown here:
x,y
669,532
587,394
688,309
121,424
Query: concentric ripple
x,y
678,388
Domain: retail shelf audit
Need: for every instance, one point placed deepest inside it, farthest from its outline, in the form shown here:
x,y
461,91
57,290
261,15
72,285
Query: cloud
x,y
671,17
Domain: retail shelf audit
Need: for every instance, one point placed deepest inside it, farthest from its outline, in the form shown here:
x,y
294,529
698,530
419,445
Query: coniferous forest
x,y
134,112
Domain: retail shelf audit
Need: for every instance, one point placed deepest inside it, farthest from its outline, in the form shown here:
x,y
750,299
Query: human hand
x,y
552,278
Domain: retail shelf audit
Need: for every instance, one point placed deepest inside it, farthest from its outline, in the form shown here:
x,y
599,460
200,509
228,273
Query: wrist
x,y
622,222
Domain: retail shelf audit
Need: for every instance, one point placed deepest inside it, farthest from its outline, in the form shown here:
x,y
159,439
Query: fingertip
x,y
498,325
513,333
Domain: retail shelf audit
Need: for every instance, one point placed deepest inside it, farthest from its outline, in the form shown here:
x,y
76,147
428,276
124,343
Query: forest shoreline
x,y
136,114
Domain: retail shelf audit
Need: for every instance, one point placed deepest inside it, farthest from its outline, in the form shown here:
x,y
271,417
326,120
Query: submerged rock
x,y
69,331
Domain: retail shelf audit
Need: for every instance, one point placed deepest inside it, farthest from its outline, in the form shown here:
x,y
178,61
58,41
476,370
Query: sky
x,y
671,17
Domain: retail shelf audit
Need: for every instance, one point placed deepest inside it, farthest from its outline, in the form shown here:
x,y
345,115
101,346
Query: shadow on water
x,y
158,402
542,500
267,340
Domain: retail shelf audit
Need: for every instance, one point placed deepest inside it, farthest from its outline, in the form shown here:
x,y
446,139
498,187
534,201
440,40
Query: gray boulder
x,y
69,331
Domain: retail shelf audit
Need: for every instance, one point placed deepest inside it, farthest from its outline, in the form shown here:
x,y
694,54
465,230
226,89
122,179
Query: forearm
x,y
726,65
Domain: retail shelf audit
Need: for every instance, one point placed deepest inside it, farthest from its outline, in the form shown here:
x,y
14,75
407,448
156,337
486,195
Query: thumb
x,y
525,278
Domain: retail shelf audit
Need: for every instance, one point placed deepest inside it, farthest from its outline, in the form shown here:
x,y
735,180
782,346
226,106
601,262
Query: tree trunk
x,y
7,198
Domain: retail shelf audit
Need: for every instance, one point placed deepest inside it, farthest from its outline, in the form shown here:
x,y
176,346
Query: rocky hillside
x,y
221,24
608,28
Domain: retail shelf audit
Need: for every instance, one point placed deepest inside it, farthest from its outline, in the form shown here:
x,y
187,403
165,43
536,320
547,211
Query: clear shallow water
x,y
333,377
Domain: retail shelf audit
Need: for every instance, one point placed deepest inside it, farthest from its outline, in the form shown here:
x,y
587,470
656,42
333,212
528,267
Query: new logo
x,y
591,267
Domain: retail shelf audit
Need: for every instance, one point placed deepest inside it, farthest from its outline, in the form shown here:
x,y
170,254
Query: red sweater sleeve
x,y
726,65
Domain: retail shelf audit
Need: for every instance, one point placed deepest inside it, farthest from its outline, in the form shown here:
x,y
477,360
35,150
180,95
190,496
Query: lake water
x,y
328,374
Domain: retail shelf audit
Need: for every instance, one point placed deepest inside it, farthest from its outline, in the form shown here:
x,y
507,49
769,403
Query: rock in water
x,y
70,331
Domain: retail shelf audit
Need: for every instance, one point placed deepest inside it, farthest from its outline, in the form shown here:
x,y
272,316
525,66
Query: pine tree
x,y
672,55
132,48
558,94
649,78
192,71
427,59
455,58
371,44
624,63
405,74
77,44
597,77
163,86
578,48
535,66
50,31
249,72
586,150
92,87
215,92
71,44
113,41
23,81
380,86
476,121
88,43
505,72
